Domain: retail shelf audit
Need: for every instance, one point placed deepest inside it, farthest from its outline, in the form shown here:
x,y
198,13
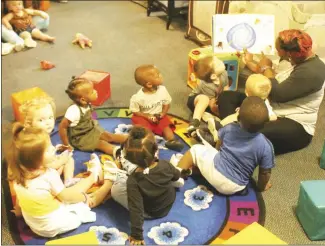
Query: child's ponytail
x,y
26,152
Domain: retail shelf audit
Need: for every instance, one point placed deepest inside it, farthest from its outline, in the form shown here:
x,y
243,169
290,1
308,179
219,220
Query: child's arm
x,y
17,209
63,132
164,110
69,195
60,160
263,183
135,203
6,20
37,12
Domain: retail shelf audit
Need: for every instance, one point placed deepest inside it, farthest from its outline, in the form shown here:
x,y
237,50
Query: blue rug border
x,y
13,222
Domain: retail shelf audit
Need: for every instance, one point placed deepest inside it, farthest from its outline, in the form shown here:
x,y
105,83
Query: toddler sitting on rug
x,y
151,104
20,19
47,206
256,85
40,112
213,80
78,129
240,149
148,191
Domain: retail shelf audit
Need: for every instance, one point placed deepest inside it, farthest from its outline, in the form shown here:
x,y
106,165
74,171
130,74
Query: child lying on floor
x,y
148,191
78,128
256,85
47,206
241,148
151,104
40,113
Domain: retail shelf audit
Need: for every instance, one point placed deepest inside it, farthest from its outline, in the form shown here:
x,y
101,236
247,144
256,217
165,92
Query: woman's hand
x,y
136,242
248,57
265,62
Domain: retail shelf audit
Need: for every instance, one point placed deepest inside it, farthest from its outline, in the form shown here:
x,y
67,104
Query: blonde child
x,y
40,113
47,206
213,80
147,192
256,85
151,103
77,129
20,19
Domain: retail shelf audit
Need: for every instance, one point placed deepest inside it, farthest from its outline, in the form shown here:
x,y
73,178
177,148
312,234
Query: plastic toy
x,y
82,41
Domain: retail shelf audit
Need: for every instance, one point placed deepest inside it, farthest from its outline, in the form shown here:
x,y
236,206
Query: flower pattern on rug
x,y
168,233
198,198
160,141
109,236
123,129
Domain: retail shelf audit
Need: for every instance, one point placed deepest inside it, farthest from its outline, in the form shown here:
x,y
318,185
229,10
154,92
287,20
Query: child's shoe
x,y
207,116
193,125
205,137
94,166
214,126
19,47
174,145
178,183
6,48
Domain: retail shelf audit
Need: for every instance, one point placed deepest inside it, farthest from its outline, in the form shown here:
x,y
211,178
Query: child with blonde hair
x,y
77,129
213,80
151,103
47,206
40,113
256,85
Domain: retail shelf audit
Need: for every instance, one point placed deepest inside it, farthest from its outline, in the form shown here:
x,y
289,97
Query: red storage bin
x,y
102,84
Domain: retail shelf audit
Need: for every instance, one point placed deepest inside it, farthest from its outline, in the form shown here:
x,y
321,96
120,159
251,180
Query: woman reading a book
x,y
295,100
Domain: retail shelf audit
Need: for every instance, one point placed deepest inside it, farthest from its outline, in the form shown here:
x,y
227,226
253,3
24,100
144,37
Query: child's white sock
x,y
178,183
94,166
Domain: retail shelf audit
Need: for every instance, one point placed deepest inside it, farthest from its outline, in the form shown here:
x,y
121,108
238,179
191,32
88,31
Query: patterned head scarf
x,y
297,43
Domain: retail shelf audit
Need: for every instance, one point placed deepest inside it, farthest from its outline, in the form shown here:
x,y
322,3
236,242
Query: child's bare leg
x,y
186,162
68,169
84,184
201,103
36,33
28,40
168,134
113,138
105,147
60,170
99,195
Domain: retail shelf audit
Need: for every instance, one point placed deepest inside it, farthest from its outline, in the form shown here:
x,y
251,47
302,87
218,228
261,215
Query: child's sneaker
x,y
206,137
178,183
207,116
186,173
94,166
193,125
174,145
214,126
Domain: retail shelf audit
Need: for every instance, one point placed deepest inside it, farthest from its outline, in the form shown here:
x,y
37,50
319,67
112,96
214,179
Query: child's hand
x,y
265,62
44,15
60,148
248,57
268,186
17,211
136,242
153,119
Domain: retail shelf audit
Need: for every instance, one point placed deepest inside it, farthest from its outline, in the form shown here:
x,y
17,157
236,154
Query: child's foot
x,y
71,182
6,48
174,145
19,47
95,167
194,124
48,38
30,43
214,126
205,137
178,183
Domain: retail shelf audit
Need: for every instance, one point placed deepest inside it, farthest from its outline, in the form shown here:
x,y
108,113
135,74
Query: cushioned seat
x,y
311,208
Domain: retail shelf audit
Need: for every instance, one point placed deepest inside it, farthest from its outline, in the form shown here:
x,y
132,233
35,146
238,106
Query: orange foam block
x,y
19,98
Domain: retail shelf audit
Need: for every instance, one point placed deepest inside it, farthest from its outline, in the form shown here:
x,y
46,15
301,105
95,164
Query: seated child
x,y
241,148
256,85
47,206
213,80
148,191
78,129
40,113
20,19
151,104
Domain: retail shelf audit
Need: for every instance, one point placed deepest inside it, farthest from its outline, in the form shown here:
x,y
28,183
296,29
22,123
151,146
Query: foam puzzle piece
x,y
19,98
254,234
311,208
87,238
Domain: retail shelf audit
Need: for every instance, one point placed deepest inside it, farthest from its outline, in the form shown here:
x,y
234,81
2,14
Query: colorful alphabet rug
x,y
200,215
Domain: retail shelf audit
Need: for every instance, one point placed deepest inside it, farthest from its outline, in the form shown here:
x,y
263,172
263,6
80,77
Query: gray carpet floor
x,y
123,38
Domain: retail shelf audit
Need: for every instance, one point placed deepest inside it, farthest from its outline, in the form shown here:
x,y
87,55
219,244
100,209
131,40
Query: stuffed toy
x,y
46,65
82,40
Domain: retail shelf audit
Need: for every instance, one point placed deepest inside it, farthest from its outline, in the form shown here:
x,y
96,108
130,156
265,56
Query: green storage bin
x,y
311,208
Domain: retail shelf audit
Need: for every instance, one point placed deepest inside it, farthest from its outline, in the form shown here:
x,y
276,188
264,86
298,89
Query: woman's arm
x,y
37,12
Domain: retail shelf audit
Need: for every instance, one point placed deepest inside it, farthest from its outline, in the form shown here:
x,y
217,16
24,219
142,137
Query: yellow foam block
x,y
254,234
18,98
79,239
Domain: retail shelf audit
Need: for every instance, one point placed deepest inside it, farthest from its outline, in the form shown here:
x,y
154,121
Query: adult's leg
x,y
10,36
119,190
286,135
228,102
